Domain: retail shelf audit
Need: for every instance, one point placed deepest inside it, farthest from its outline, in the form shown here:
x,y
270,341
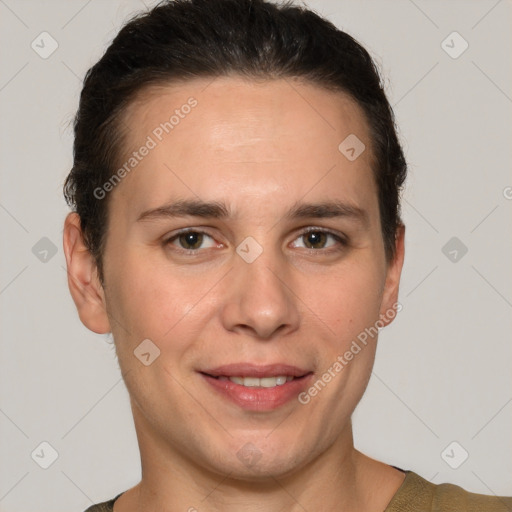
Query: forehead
x,y
234,134
238,108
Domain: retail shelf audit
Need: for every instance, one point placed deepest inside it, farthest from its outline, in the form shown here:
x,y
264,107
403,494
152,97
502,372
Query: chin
x,y
257,458
265,469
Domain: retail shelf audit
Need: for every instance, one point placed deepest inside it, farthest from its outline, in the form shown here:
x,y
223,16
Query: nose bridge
x,y
264,278
260,300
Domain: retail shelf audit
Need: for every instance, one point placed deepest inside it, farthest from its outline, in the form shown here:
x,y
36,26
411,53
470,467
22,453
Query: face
x,y
245,246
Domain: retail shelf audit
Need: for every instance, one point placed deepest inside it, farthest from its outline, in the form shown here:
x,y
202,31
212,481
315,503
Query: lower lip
x,y
259,398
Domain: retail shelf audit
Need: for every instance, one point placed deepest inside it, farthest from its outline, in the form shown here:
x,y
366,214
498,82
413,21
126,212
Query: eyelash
x,y
342,242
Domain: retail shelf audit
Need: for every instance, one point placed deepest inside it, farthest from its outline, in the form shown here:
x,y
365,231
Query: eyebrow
x,y
219,210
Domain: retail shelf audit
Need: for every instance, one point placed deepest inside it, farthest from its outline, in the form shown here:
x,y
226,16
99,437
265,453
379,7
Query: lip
x,y
258,399
252,370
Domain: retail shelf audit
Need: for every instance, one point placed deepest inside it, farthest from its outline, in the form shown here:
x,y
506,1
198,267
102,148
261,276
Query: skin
x,y
260,148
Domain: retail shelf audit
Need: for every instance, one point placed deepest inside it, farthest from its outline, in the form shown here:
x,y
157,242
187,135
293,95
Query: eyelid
x,y
328,231
170,238
339,237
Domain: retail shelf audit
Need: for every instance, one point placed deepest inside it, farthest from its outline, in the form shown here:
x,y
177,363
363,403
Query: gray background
x,y
443,369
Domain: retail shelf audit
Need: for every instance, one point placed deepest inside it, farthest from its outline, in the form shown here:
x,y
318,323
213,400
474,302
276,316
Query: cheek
x,y
148,301
347,301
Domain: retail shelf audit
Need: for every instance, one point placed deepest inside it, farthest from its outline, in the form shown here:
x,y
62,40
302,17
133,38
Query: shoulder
x,y
429,497
106,506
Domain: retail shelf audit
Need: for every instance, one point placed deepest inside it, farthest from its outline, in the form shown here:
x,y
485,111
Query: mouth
x,y
255,382
257,388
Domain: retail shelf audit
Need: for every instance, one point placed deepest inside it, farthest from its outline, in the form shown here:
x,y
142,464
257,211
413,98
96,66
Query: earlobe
x,y
83,280
390,305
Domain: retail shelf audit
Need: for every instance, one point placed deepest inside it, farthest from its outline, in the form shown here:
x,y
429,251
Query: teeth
x,y
265,382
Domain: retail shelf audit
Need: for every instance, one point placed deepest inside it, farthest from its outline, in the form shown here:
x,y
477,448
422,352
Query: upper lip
x,y
252,370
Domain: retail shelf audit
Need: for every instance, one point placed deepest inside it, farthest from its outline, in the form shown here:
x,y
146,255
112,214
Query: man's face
x,y
250,292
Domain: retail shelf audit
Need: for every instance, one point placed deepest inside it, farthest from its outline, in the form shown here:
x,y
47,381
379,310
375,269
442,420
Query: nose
x,y
260,301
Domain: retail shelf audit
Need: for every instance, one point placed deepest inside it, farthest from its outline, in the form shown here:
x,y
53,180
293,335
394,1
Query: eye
x,y
191,240
318,239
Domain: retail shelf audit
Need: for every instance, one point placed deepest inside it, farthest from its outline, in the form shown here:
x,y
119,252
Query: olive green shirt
x,y
416,495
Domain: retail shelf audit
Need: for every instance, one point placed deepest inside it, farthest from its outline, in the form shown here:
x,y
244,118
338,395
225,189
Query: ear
x,y
390,306
83,280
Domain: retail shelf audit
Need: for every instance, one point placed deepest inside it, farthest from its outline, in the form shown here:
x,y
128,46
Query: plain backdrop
x,y
443,368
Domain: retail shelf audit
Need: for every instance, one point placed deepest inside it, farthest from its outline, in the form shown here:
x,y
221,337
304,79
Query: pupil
x,y
191,240
315,238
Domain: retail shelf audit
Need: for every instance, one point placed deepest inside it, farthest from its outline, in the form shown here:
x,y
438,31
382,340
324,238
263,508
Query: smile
x,y
255,382
257,388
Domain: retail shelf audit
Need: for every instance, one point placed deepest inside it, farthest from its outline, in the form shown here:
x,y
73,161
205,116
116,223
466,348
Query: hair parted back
x,y
256,39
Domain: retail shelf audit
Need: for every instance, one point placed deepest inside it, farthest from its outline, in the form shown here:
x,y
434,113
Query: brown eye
x,y
315,239
191,241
